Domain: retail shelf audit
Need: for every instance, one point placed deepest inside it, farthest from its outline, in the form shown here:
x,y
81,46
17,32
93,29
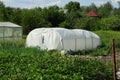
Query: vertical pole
x,y
75,44
3,33
114,60
62,44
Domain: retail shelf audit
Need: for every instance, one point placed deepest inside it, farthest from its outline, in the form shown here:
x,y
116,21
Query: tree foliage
x,y
72,6
111,23
53,15
32,19
71,16
2,11
106,9
93,7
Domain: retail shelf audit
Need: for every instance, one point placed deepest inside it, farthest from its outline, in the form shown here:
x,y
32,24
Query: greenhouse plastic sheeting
x,y
62,39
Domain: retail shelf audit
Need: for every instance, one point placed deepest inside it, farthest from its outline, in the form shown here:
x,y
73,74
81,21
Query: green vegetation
x,y
18,62
72,15
106,37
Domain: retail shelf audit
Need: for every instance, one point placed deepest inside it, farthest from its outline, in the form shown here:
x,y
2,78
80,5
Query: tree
x,y
15,15
119,3
32,19
106,9
8,12
93,7
117,10
72,6
71,18
2,11
73,13
111,23
53,15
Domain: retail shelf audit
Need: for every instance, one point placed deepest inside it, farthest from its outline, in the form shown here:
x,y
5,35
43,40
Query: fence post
x,y
114,59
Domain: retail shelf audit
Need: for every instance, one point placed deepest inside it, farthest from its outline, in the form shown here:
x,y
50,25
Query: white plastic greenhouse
x,y
10,30
62,39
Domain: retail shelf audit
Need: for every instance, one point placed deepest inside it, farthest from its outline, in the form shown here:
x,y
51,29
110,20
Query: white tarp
x,y
62,39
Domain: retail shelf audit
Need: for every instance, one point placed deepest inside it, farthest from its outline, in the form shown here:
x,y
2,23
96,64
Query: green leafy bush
x,y
111,23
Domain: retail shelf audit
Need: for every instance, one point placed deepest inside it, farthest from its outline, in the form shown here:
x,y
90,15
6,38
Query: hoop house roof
x,y
8,24
62,39
10,30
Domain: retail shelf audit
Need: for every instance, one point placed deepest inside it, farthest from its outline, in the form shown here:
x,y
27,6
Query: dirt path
x,y
104,57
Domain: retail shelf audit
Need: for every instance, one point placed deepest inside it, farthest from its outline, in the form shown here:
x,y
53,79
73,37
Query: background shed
x,y
93,14
10,30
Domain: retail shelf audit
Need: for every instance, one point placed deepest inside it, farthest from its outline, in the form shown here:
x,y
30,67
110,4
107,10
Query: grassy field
x,y
107,36
18,62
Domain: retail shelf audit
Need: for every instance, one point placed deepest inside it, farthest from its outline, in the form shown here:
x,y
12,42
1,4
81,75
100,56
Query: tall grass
x,y
107,36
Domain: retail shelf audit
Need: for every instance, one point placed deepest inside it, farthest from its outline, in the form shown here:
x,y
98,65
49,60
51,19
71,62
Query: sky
x,y
45,3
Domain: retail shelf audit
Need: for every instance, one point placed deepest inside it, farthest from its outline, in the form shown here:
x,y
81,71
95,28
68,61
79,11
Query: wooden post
x,y
114,60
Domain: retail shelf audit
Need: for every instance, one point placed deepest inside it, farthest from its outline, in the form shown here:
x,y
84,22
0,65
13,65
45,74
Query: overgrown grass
x,y
106,37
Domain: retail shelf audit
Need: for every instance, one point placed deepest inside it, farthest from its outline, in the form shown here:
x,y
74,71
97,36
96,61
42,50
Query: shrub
x,y
111,23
